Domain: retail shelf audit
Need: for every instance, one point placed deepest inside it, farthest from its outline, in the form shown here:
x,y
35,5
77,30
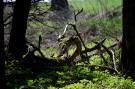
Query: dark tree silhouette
x,y
59,4
2,61
17,43
128,45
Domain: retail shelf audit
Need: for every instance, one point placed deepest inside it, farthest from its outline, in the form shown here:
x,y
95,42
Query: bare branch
x,y
76,14
114,62
95,47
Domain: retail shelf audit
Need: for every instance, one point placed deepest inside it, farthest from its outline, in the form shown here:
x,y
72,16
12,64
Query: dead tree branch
x,y
76,14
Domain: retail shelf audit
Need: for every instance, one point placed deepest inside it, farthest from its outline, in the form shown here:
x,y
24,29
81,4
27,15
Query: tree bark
x,y
59,4
128,41
17,43
2,59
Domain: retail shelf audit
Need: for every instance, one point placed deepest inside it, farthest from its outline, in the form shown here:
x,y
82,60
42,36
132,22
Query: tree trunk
x,y
2,59
17,43
128,45
59,4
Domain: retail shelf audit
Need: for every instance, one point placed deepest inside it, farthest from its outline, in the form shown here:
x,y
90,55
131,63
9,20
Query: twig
x,y
77,33
76,14
95,47
37,48
114,62
111,54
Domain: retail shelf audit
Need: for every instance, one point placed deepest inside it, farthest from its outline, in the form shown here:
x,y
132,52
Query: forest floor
x,y
94,25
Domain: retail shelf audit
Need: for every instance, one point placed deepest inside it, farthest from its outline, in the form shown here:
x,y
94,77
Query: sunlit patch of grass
x,y
94,6
96,60
109,42
113,25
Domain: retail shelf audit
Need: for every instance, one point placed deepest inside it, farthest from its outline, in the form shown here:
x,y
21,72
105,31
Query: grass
x,y
94,6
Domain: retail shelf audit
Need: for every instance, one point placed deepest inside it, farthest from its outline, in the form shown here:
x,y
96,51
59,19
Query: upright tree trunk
x,y
2,60
59,4
17,43
128,45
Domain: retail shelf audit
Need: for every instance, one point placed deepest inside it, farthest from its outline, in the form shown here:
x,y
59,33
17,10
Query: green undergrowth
x,y
76,77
